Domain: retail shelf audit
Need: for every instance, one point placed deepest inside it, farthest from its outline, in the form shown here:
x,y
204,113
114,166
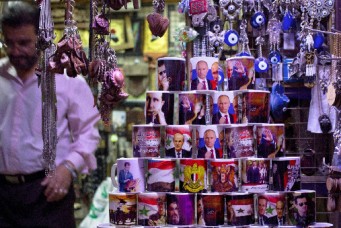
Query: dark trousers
x,y
25,205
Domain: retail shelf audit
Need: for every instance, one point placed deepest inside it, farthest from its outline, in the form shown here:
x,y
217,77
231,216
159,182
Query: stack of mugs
x,y
208,156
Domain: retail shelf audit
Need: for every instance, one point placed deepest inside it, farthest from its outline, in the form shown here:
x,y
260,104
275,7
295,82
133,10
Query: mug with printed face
x,y
206,74
255,174
171,74
302,207
224,175
180,208
159,107
286,174
270,140
240,72
123,208
128,175
271,208
151,208
178,142
210,209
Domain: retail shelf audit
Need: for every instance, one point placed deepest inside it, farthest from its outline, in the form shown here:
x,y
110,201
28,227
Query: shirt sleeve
x,y
83,118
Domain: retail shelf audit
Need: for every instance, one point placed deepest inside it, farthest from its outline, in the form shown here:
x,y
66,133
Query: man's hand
x,y
58,185
165,84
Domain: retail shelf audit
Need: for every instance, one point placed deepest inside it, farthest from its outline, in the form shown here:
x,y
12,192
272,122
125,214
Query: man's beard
x,y
24,62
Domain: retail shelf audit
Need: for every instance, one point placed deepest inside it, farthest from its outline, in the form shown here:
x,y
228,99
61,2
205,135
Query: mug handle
x,y
113,176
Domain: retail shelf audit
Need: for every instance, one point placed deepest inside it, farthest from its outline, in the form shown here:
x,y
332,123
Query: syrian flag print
x,y
184,130
147,205
161,175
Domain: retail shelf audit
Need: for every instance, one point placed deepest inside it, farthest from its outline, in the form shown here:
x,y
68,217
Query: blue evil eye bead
x,y
288,21
274,57
231,38
261,65
243,53
318,40
258,20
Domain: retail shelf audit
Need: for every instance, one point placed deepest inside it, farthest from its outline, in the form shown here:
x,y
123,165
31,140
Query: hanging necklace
x,y
48,88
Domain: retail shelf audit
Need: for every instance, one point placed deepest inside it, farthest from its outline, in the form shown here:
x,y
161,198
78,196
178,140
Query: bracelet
x,y
71,170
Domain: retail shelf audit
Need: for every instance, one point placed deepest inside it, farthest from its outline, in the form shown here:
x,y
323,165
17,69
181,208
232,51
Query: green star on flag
x,y
269,210
240,210
168,141
144,211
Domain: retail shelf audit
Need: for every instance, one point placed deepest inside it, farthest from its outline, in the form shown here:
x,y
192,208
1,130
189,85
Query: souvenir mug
x,y
128,175
151,208
171,74
159,107
255,174
239,208
210,209
192,175
147,140
123,209
286,174
180,209
206,73
161,175
240,72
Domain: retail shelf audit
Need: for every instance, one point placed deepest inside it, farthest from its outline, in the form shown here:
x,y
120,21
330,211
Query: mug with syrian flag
x,y
151,208
147,140
128,175
255,174
123,208
180,208
286,174
192,177
161,175
240,208
224,175
271,208
178,143
239,140
210,209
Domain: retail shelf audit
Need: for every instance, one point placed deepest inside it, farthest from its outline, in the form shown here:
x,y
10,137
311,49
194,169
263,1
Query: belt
x,y
21,179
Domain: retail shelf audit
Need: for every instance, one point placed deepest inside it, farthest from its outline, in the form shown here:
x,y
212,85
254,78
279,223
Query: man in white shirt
x,y
28,198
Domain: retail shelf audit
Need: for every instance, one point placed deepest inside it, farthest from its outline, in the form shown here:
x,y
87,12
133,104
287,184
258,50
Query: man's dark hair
x,y
160,63
172,199
20,13
126,163
301,196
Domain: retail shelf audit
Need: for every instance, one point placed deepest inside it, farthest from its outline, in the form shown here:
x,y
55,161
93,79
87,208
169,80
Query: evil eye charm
x,y
318,40
275,57
231,38
258,20
261,65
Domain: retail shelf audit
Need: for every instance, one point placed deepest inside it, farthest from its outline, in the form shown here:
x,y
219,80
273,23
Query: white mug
x,y
127,175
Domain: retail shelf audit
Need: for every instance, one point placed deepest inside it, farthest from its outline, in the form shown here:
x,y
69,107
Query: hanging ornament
x,y
243,47
48,87
258,19
231,37
288,21
278,102
310,73
69,54
183,6
198,10
216,37
261,63
318,40
158,24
